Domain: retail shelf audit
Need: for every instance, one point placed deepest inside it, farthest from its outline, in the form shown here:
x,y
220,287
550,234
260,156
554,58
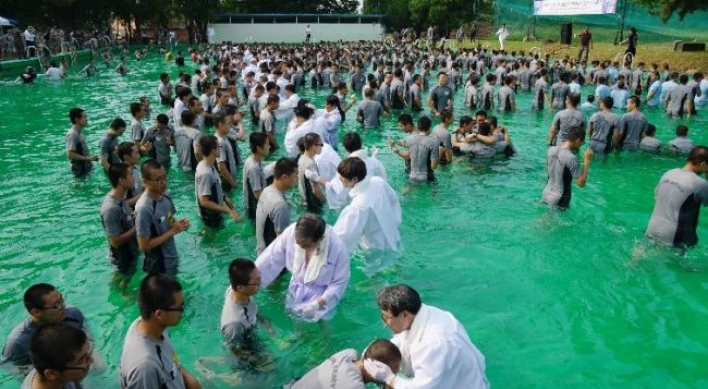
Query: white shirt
x,y
373,217
437,353
54,74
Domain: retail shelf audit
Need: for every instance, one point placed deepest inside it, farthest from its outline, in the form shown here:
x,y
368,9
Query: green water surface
x,y
579,299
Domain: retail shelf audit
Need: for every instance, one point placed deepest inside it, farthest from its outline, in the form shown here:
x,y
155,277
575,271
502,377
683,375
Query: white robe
x,y
295,132
373,217
327,162
437,353
337,194
330,280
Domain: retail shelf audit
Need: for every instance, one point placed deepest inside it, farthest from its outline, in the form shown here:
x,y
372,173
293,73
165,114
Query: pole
x,y
624,12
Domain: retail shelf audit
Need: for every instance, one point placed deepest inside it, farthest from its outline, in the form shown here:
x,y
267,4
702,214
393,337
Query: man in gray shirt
x,y
677,102
187,142
506,97
681,144
148,359
211,202
423,152
155,222
345,370
440,96
161,136
118,223
559,92
603,125
369,111
61,356
442,136
566,119
253,177
108,146
679,197
273,212
76,148
562,166
632,126
45,305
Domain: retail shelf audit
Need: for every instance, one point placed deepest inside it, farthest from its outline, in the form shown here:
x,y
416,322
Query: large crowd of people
x,y
248,93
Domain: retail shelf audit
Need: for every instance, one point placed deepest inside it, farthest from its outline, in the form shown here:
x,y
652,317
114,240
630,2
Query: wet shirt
x,y
565,120
603,126
160,148
679,197
154,217
108,148
370,111
422,149
506,98
559,91
440,96
147,363
207,183
272,217
253,181
563,168
76,142
117,218
237,319
633,126
338,371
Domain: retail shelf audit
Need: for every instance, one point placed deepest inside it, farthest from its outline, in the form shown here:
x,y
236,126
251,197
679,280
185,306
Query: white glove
x,y
312,175
379,371
310,310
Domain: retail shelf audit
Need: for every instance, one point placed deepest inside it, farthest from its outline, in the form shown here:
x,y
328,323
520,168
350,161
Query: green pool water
x,y
578,299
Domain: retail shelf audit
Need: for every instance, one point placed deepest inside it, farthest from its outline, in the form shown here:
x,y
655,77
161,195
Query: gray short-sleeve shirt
x,y
338,371
272,216
422,149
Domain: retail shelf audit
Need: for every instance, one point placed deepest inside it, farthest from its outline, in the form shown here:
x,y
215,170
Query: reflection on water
x,y
543,294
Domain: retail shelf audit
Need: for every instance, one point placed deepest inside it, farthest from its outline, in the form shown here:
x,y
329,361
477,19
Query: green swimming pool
x,y
578,299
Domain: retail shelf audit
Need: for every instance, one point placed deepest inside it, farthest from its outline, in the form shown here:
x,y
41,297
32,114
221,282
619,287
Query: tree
x,y
666,8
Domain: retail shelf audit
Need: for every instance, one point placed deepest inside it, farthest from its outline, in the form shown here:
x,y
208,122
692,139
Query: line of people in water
x,y
139,216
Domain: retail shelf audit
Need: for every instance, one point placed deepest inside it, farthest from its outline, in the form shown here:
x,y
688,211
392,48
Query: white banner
x,y
574,7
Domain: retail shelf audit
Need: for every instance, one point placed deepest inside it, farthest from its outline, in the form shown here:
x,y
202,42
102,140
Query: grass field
x,y
652,47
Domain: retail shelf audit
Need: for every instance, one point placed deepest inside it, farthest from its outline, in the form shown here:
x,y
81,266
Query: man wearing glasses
x,y
46,306
148,359
155,223
436,350
61,355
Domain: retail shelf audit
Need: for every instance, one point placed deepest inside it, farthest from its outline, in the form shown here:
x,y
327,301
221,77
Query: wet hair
x,y
681,130
493,121
162,119
208,143
398,298
300,144
383,350
284,167
311,139
405,119
309,227
574,99
55,345
635,100
651,130
465,120
445,115
34,295
240,271
117,123
369,93
303,110
334,101
484,128
148,167
125,148
481,112
75,114
272,99
591,98
116,171
608,102
424,123
352,167
698,155
256,140
351,142
575,133
135,108
290,87
184,92
188,117
192,102
270,85
157,291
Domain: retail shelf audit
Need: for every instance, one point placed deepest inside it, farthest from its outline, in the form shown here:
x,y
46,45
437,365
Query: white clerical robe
x,y
372,217
329,281
437,353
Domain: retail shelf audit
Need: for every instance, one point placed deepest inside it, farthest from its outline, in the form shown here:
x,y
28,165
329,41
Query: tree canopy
x,y
666,8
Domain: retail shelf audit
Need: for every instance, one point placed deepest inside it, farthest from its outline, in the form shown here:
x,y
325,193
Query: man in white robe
x,y
436,351
318,261
374,214
337,194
